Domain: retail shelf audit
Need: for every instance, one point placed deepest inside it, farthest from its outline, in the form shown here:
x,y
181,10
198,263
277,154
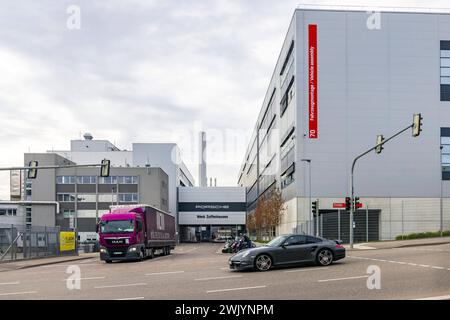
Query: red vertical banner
x,y
312,81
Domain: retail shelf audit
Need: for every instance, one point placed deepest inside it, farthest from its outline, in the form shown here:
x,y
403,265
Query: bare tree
x,y
274,210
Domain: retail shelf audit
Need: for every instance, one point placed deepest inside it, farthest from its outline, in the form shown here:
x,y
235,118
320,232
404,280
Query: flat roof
x,y
399,9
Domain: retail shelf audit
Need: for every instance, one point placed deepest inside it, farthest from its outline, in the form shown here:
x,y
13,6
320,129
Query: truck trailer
x,y
134,232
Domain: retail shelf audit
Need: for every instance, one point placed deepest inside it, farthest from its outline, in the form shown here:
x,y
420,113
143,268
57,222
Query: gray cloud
x,y
136,71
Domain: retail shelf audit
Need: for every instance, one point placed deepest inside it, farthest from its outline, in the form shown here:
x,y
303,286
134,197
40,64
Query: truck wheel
x,y
168,251
164,251
141,255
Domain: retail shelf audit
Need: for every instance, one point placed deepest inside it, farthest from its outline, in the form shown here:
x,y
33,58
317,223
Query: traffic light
x,y
356,202
106,166
380,139
315,207
348,204
417,124
32,173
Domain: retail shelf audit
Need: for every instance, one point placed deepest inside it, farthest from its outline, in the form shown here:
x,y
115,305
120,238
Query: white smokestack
x,y
202,179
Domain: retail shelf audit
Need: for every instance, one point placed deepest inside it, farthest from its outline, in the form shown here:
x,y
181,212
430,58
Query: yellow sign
x,y
66,241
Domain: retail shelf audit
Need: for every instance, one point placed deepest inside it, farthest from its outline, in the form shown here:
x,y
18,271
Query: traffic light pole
x,y
352,195
51,167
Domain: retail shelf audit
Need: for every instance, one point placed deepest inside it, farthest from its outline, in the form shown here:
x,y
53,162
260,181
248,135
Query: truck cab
x,y
121,236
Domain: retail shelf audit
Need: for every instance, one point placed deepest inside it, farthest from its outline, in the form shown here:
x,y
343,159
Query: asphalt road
x,y
200,271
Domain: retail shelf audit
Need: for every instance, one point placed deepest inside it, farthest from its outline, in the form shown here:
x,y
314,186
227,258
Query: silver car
x,y
292,249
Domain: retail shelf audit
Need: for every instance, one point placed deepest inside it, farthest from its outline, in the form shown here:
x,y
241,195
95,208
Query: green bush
x,y
422,235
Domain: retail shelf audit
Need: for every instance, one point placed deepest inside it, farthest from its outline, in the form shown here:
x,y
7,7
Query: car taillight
x,y
339,246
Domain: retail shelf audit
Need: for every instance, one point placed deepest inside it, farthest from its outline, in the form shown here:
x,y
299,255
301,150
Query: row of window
x,y
121,197
93,180
445,153
287,97
8,212
445,70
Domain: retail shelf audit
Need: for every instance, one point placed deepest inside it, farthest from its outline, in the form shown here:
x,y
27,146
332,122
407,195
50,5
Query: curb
x,y
43,263
408,245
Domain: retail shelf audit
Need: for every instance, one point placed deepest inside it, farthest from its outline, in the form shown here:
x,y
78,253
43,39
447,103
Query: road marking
x,y
217,278
163,273
122,285
412,264
91,278
435,298
224,268
339,279
9,283
440,268
308,269
17,293
424,265
235,289
135,298
401,262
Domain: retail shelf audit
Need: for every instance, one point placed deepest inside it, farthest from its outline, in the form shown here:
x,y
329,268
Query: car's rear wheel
x,y
263,262
108,261
324,257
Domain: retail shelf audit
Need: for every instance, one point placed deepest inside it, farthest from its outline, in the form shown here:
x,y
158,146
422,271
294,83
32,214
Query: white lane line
x,y
163,273
339,279
217,278
17,293
400,262
91,278
412,264
235,289
424,265
440,268
436,298
134,298
308,269
121,285
9,283
224,268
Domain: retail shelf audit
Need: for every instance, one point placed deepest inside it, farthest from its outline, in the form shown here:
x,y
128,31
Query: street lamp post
x,y
311,230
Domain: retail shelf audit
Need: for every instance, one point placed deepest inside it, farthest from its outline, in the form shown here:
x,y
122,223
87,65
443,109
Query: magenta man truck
x,y
134,232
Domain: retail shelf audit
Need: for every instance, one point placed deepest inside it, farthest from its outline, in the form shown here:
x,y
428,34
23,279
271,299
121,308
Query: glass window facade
x,y
108,180
86,179
445,70
445,153
128,197
65,180
128,179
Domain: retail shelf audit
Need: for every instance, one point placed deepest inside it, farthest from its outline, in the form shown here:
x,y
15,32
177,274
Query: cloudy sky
x,y
140,71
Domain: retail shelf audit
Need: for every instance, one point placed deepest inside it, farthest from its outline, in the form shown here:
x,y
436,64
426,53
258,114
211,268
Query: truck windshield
x,y
117,226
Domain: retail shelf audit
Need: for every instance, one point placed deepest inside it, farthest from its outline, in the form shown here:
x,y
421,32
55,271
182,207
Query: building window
x,y
445,153
28,215
68,213
28,187
287,97
86,198
65,180
128,179
445,70
288,176
288,57
65,197
107,198
128,197
108,180
86,179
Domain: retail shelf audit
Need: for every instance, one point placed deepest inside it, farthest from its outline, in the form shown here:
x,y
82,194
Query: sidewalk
x,y
399,243
23,264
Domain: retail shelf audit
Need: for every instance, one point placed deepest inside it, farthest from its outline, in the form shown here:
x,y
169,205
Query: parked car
x,y
292,249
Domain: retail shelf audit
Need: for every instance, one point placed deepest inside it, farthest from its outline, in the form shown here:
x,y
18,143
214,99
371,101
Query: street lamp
x,y
311,230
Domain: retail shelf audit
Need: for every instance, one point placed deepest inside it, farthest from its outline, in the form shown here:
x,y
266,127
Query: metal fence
x,y
29,242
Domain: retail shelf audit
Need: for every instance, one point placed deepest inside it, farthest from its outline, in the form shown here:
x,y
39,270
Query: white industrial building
x,y
343,77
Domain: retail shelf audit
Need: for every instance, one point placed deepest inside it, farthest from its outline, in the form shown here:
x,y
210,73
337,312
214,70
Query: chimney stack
x,y
202,179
